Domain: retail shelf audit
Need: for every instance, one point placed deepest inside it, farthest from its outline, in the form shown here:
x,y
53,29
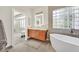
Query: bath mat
x,y
33,43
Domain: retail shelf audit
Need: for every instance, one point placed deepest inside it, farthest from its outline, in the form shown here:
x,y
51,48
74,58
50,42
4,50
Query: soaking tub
x,y
64,43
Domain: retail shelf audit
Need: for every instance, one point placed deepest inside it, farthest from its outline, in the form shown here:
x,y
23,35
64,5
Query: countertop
x,y
38,28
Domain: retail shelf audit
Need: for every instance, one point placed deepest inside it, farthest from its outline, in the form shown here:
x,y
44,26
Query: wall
x,y
5,16
43,9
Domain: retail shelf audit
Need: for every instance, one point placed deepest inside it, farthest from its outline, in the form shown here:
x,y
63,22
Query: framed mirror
x,y
39,20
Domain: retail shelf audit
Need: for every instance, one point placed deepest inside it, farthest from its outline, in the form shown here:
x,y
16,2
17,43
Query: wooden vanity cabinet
x,y
37,34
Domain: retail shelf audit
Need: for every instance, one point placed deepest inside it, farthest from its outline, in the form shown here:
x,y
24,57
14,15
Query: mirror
x,y
39,20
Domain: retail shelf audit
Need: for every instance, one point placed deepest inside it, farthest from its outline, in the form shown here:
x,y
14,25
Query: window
x,y
66,18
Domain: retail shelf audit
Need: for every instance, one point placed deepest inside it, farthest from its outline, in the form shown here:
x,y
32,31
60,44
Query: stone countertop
x,y
38,28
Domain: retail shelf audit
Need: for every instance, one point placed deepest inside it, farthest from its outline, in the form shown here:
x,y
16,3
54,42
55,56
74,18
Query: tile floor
x,y
32,45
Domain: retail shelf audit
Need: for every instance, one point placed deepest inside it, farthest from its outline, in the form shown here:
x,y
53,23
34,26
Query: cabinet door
x,y
42,35
31,33
36,34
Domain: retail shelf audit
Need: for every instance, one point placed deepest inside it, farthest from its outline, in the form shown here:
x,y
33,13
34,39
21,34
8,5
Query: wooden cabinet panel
x,y
42,35
31,33
37,34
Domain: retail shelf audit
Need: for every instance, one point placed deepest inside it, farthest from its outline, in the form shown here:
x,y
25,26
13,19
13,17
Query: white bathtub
x,y
64,43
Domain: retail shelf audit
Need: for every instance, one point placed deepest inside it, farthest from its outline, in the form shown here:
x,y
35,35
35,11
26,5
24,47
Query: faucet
x,y
71,31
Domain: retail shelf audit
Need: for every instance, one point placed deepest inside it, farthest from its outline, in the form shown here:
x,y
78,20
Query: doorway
x,y
20,23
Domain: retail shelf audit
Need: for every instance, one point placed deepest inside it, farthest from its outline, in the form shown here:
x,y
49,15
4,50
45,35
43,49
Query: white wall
x,y
5,16
43,9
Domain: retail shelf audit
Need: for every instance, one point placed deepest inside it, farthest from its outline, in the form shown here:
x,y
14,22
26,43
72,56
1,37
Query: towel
x,y
3,41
